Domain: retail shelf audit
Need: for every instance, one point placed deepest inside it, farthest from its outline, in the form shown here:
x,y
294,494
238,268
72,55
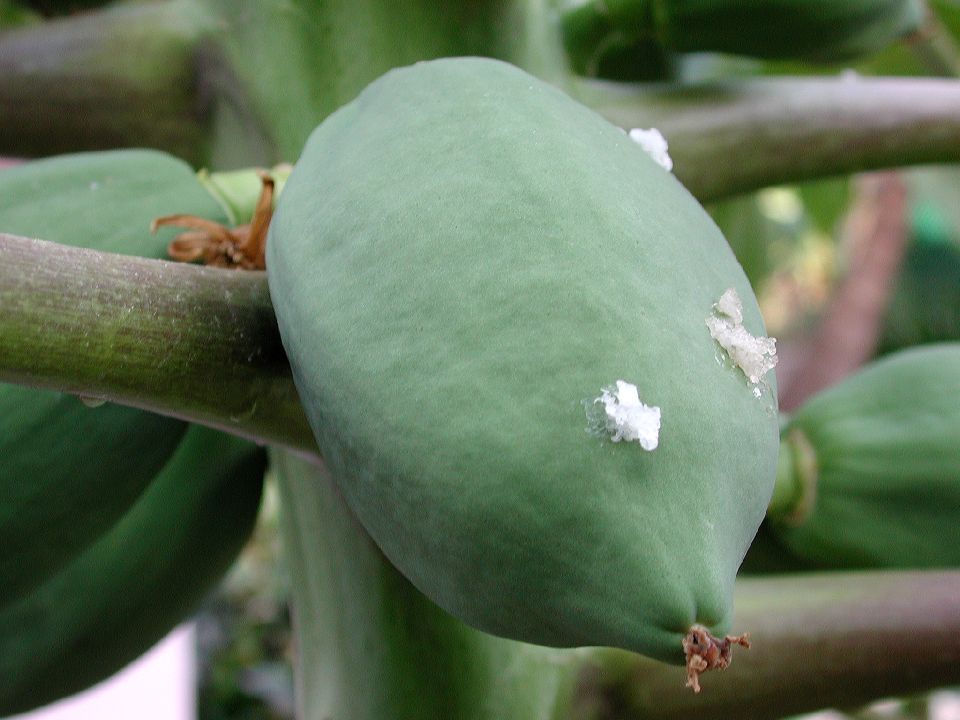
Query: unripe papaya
x,y
876,467
821,30
139,580
925,306
470,272
68,472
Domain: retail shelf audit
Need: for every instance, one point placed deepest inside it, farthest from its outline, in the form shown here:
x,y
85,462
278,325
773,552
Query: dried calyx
x,y
705,652
242,247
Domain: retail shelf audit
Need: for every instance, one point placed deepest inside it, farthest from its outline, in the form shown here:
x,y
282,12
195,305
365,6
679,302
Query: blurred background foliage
x,y
244,639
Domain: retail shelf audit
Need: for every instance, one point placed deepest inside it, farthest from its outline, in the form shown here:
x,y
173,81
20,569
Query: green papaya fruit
x,y
67,471
594,48
464,263
136,582
875,467
767,556
63,7
820,30
925,307
14,15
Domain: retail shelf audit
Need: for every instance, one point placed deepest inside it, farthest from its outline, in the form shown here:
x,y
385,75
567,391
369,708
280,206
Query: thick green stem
x,y
319,54
197,343
739,136
140,75
126,76
235,82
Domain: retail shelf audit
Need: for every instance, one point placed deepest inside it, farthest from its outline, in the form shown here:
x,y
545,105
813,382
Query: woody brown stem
x,y
255,244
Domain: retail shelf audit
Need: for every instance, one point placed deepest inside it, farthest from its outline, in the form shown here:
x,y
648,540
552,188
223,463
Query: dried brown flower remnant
x,y
242,247
706,652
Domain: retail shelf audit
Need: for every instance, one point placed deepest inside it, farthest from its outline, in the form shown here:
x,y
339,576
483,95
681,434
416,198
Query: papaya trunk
x,y
319,54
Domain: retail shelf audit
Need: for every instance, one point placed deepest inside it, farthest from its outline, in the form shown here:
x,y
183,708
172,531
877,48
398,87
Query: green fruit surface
x,y
68,472
139,580
925,307
462,258
821,30
802,29
768,556
887,455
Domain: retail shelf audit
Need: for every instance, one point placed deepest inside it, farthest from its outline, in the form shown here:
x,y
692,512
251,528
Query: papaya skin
x,y
882,467
141,578
67,471
595,32
461,259
821,30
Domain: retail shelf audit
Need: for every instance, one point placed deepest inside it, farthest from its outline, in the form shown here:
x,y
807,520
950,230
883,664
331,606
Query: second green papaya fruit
x,y
138,580
820,30
876,467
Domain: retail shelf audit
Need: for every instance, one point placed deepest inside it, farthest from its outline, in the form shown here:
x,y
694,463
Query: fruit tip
x,y
705,652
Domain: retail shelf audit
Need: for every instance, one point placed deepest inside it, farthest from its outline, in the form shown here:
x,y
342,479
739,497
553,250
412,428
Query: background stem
x,y
729,138
125,76
200,79
197,343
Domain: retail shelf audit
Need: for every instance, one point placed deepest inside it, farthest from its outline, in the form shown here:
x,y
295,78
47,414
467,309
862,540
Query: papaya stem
x,y
821,640
787,129
193,342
